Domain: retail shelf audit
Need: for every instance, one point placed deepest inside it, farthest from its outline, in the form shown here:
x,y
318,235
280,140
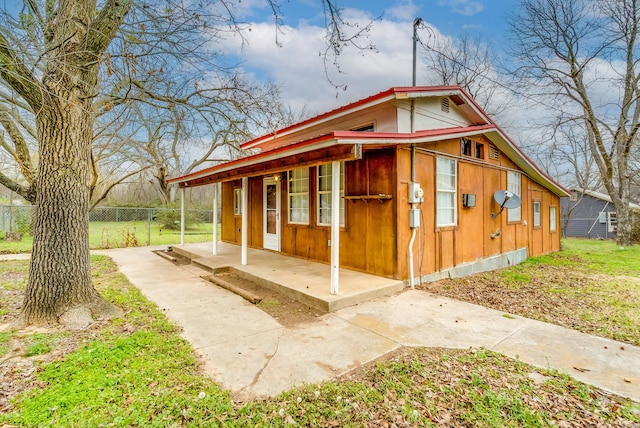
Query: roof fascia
x,y
399,93
255,159
515,154
323,118
602,196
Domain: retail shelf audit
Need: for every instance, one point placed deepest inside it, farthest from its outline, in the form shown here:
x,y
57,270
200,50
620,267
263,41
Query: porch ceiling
x,y
273,162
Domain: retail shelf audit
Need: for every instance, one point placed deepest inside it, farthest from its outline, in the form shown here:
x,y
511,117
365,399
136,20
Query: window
x,y
298,180
237,201
466,146
445,192
552,219
324,194
479,151
612,222
536,213
513,185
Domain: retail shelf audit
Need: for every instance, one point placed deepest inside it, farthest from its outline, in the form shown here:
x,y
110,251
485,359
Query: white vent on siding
x,y
445,105
494,153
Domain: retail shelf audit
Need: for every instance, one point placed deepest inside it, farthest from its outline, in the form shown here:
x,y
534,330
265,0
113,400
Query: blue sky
x,y
296,65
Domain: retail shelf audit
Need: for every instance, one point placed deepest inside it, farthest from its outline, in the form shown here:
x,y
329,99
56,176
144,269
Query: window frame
x,y
453,193
319,194
466,147
291,180
537,220
553,220
514,215
237,201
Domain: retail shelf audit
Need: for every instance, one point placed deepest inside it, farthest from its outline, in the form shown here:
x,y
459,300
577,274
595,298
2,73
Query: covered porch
x,y
304,280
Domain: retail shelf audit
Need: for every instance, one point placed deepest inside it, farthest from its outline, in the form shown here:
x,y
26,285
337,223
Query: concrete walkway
x,y
251,354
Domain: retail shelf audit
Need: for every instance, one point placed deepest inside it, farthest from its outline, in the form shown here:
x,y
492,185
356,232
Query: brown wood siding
x,y
380,225
536,241
367,242
492,181
376,233
256,213
231,223
470,240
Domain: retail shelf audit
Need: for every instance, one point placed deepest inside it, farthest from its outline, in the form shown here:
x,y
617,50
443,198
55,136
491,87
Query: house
x,y
425,184
589,214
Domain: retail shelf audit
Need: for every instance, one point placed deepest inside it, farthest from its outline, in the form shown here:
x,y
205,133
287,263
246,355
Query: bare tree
x,y
64,66
583,54
565,156
470,63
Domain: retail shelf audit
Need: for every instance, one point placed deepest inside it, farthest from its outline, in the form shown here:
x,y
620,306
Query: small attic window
x,y
494,153
366,128
444,105
466,146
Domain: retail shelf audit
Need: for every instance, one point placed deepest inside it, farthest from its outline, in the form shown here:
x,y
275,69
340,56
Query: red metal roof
x,y
364,138
373,99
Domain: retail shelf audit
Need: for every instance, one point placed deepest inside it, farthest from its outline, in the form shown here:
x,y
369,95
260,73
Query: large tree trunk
x,y
60,287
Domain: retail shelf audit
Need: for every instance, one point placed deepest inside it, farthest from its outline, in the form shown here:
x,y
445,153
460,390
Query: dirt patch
x,y
173,257
18,369
287,311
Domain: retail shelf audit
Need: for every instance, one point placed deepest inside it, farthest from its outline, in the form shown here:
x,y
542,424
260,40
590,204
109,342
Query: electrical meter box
x,y
416,194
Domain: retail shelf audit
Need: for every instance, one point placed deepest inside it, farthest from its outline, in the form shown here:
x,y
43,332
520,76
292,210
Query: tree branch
x,y
24,191
15,73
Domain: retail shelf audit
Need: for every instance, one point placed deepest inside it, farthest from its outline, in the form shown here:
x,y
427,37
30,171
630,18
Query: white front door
x,y
271,223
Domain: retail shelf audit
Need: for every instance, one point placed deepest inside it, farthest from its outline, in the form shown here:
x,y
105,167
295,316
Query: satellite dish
x,y
505,199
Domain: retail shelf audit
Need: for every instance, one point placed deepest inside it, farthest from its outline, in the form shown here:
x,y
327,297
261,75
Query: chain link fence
x,y
116,227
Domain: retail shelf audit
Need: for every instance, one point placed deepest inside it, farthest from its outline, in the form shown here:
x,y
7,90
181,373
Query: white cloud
x,y
405,10
298,66
464,7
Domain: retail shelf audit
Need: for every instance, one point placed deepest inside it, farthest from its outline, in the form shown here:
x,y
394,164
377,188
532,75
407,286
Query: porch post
x,y
335,226
215,219
245,220
182,216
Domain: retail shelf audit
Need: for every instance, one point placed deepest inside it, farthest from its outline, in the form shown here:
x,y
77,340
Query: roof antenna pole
x,y
416,24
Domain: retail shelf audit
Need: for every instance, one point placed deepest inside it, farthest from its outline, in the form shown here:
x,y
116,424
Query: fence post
x,y
148,226
214,220
182,219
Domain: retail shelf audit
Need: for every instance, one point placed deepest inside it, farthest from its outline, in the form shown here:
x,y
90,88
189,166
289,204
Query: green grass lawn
x,y
124,234
138,371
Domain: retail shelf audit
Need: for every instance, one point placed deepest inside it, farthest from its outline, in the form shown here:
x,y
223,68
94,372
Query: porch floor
x,y
304,280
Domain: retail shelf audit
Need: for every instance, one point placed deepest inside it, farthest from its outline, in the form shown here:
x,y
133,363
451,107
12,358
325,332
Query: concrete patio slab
x,y
301,279
252,355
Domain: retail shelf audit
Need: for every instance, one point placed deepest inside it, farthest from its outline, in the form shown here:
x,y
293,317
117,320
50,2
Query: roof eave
x,y
408,92
513,152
